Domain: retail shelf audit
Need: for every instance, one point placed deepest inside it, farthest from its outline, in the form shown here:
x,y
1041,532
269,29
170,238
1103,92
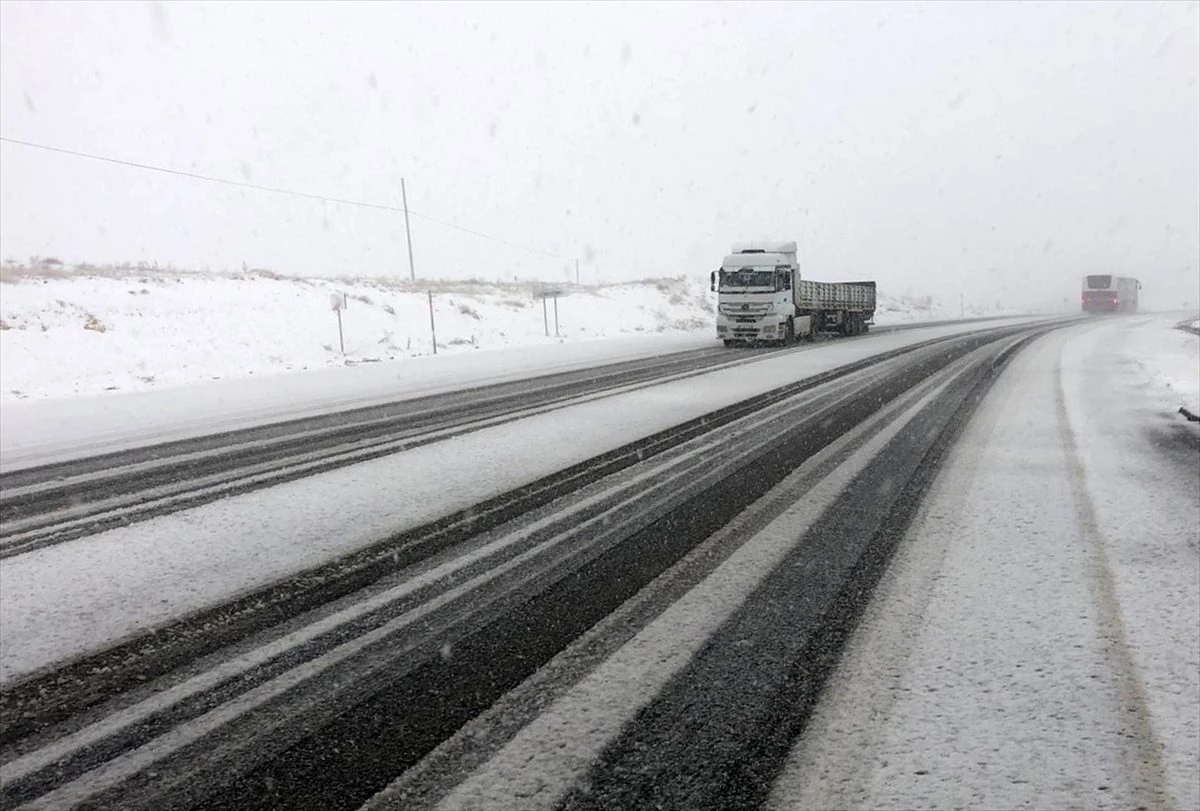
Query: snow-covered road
x,y
449,623
121,581
1036,640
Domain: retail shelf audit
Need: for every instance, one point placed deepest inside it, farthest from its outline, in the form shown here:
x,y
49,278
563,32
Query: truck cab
x,y
755,298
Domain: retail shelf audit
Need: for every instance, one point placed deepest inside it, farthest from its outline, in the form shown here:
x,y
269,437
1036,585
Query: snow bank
x,y
1168,363
93,333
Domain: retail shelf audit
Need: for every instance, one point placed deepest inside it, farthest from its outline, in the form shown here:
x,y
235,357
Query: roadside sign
x,y
337,302
544,291
548,292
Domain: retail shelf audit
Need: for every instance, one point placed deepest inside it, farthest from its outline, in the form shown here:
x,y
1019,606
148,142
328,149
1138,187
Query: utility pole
x,y
577,273
412,273
432,326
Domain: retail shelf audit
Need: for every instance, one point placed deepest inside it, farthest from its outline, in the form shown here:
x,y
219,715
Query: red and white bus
x,y
1105,293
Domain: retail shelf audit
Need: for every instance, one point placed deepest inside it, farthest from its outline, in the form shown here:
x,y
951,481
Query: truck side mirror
x,y
712,281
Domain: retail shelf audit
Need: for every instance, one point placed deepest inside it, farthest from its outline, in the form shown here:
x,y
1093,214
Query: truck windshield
x,y
742,278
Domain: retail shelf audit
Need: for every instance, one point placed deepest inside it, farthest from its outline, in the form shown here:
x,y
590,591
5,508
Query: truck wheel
x,y
789,335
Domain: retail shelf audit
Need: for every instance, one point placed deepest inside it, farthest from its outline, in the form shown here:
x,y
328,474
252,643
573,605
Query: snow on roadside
x,y
1168,360
77,333
89,334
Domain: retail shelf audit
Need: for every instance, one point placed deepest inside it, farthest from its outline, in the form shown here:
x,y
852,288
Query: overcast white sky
x,y
999,150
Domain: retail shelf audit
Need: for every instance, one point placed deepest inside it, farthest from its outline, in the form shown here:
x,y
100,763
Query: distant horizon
x,y
68,268
25,267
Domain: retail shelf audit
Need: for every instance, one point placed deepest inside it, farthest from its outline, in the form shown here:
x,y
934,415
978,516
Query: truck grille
x,y
749,308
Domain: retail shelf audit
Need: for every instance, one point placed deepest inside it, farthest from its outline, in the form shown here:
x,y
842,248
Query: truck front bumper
x,y
770,328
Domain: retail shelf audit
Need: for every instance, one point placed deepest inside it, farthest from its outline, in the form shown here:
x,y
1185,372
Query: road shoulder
x,y
996,666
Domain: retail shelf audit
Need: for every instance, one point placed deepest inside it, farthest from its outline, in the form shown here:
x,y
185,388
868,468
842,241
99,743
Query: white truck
x,y
761,298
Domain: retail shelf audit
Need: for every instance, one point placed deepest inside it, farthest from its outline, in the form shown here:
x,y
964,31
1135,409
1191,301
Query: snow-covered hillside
x,y
79,332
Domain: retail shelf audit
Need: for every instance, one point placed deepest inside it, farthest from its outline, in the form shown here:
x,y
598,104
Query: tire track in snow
x,y
1149,768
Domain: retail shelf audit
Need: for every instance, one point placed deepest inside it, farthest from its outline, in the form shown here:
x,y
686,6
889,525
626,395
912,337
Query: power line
x,y
276,190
